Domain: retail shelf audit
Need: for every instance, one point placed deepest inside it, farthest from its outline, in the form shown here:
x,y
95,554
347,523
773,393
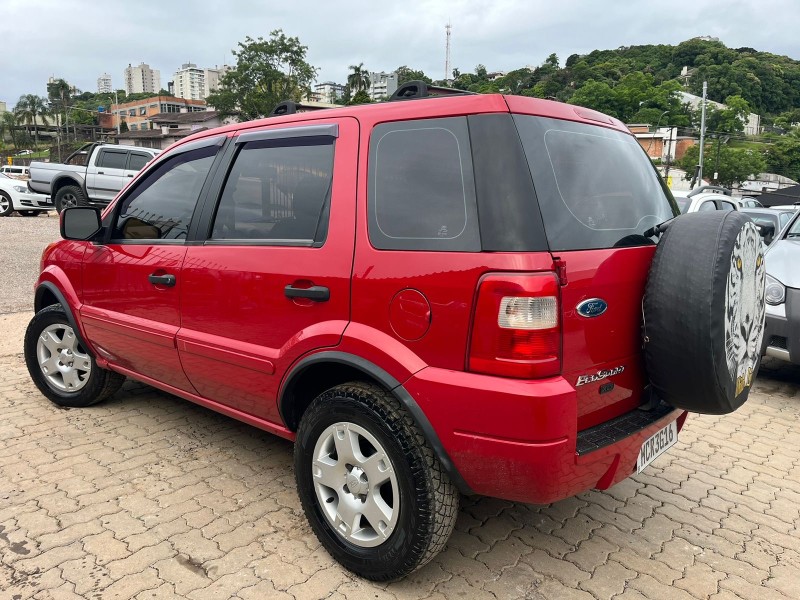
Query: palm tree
x,y
30,109
358,80
10,122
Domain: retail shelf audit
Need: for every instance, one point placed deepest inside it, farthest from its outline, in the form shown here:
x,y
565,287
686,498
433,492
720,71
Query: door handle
x,y
130,175
166,280
101,173
317,293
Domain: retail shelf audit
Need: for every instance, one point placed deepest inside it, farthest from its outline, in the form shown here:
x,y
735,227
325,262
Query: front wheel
x,y
6,206
60,366
370,485
69,196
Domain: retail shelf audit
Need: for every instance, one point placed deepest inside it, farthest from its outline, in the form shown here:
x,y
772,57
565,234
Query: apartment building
x,y
141,79
104,84
194,83
328,91
382,85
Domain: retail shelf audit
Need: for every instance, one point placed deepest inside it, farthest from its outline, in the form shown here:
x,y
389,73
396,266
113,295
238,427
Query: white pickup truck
x,y
92,175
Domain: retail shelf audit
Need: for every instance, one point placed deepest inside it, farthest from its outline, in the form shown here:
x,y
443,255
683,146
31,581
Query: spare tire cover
x,y
704,312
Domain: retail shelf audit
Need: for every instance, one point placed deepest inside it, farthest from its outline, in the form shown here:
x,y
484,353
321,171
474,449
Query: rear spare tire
x,y
704,312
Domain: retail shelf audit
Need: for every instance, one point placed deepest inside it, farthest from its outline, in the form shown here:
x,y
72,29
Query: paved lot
x,y
147,496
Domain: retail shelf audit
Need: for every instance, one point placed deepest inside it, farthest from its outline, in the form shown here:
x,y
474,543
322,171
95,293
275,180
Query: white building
x,y
752,125
189,82
104,85
382,85
212,79
3,107
142,79
328,91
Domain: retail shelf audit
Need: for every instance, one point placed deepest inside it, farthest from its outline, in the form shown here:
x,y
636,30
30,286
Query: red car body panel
x,y
226,336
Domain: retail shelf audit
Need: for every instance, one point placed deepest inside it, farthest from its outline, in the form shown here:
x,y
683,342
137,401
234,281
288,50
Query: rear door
x,y
598,194
136,162
105,179
271,279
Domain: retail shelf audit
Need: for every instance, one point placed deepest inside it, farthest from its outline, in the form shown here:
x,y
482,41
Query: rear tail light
x,y
516,330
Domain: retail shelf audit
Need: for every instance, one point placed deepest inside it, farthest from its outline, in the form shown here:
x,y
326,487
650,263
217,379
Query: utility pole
x,y
702,133
116,101
447,73
669,155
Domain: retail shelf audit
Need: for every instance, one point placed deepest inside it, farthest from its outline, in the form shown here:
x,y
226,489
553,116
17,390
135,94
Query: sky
x,y
78,40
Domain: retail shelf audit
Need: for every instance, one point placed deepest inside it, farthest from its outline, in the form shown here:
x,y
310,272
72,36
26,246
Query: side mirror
x,y
80,223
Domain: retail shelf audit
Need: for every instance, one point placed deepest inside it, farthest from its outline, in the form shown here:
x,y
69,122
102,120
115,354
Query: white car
x,y
706,201
15,195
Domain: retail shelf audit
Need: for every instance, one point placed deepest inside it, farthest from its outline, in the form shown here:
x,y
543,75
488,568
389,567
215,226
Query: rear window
x,y
595,186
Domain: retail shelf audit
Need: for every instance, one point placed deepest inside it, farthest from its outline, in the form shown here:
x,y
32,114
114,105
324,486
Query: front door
x,y
132,283
272,281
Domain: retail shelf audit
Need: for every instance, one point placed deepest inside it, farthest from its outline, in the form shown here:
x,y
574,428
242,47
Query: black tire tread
x,y
10,205
439,520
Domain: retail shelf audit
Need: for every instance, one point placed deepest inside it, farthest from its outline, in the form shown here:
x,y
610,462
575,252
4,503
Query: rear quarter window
x,y
421,187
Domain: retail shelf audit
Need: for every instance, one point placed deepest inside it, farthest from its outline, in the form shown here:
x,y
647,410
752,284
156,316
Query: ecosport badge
x,y
593,307
584,379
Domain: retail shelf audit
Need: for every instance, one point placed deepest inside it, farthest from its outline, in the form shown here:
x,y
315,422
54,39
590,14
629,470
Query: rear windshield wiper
x,y
657,230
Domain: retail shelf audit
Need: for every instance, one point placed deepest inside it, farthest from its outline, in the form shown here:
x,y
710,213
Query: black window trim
x,y
219,140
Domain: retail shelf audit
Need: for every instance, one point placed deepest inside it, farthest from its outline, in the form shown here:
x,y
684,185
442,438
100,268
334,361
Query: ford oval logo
x,y
593,307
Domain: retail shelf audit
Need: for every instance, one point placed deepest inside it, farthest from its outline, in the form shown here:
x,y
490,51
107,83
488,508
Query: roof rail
x,y
414,90
288,107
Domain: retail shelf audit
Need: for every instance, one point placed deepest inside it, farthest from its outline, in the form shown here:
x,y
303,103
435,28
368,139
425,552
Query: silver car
x,y
782,333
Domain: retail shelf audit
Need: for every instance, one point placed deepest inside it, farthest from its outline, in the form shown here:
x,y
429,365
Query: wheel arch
x,y
47,294
64,180
318,372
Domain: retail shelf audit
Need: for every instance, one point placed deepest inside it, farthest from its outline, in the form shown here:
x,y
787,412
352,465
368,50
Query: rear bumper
x,y
518,440
782,331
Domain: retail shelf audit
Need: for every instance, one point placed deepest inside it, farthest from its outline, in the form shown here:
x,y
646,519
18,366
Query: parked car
x,y
15,196
90,176
707,201
20,172
749,202
384,286
782,334
769,221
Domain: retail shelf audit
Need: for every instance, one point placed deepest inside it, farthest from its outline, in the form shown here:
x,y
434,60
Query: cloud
x,y
81,39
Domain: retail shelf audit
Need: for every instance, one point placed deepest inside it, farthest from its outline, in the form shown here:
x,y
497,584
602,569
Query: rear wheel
x,y
371,487
69,196
60,366
6,206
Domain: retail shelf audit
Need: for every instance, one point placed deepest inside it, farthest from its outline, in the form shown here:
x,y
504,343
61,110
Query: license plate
x,y
656,445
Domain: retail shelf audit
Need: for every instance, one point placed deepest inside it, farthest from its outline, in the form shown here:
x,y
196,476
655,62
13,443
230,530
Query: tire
x,y
420,504
29,213
704,312
6,205
50,340
69,196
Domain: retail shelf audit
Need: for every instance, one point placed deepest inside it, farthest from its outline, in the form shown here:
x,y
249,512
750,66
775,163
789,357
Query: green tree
x,y
358,80
405,74
597,95
267,72
59,95
730,119
9,120
30,110
360,97
733,165
783,157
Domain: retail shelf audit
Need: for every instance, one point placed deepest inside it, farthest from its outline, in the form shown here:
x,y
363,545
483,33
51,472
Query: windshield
x,y
794,230
596,187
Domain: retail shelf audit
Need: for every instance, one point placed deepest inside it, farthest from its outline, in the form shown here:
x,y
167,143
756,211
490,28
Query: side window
x,y
421,187
137,161
707,205
277,190
112,159
726,206
161,206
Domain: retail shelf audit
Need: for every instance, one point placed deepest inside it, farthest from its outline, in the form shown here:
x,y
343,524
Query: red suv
x,y
430,296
